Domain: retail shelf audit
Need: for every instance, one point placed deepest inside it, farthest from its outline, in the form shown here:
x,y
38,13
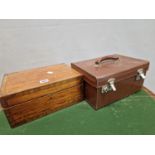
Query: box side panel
x,y
44,105
91,95
35,93
123,89
122,76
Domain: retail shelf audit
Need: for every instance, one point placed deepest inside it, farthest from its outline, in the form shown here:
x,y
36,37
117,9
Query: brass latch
x,y
110,86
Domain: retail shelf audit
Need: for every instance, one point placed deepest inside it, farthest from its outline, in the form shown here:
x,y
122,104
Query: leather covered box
x,y
33,93
110,78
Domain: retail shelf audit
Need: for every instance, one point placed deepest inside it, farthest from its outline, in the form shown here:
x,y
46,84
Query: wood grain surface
x,y
24,98
149,92
28,80
44,105
21,97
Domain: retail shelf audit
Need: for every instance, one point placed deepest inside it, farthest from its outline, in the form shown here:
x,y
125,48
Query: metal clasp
x,y
110,86
141,74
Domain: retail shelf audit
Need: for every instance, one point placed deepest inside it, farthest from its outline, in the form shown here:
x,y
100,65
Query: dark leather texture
x,y
122,68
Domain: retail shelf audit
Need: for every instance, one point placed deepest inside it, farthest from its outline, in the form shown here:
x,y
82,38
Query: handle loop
x,y
106,58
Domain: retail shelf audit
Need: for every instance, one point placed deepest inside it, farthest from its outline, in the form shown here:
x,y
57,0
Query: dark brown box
x,y
110,78
33,93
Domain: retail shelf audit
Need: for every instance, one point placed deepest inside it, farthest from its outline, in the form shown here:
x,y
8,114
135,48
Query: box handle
x,y
106,58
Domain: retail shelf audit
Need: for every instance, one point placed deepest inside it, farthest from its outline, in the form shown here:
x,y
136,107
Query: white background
x,y
75,9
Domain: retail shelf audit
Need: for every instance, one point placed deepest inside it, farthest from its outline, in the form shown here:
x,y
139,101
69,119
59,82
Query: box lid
x,y
98,71
34,78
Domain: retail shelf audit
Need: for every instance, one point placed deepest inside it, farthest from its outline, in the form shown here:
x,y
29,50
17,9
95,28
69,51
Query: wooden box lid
x,y
98,71
17,82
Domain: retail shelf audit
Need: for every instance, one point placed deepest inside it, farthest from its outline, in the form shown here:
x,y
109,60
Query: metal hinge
x,y
110,86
